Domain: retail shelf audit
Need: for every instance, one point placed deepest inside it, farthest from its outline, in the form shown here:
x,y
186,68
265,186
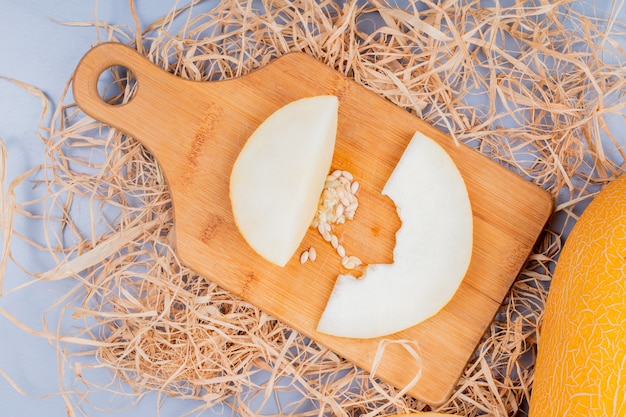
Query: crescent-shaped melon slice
x,y
279,175
431,256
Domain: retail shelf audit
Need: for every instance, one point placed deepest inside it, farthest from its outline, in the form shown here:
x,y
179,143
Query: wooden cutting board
x,y
196,130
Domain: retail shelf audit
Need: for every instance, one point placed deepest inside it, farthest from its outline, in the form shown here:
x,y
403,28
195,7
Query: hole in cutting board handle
x,y
117,85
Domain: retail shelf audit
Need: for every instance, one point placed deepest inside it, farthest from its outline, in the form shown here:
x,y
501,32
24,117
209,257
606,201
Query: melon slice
x,y
279,175
431,256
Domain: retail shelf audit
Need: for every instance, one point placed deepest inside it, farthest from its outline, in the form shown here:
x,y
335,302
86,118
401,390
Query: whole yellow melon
x,y
581,364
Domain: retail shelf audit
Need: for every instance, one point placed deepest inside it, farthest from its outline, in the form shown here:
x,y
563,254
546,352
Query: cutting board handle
x,y
93,64
148,113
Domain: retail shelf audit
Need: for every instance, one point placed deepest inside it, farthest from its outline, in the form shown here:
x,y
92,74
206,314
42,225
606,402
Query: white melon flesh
x,y
431,256
279,175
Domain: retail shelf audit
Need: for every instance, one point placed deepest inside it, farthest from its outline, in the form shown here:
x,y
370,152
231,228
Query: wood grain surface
x,y
196,130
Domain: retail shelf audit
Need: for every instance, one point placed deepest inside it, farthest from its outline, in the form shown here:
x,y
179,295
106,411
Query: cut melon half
x,y
431,256
277,179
